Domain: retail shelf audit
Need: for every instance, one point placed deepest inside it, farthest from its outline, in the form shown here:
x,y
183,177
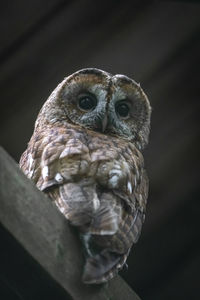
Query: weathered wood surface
x,y
41,229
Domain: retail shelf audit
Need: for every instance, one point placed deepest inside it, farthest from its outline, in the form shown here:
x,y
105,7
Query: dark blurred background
x,y
158,44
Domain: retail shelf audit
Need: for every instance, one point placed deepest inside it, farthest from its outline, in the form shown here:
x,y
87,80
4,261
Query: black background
x,y
157,43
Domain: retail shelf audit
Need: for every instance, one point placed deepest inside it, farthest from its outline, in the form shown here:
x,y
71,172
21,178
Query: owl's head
x,y
96,100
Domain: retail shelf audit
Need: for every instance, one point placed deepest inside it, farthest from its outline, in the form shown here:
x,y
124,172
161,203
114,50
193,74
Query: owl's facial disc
x,y
111,104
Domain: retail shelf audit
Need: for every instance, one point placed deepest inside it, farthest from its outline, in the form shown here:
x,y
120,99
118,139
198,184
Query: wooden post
x,y
43,231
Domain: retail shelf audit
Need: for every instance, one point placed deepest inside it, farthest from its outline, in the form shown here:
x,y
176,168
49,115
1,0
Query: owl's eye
x,y
122,109
87,102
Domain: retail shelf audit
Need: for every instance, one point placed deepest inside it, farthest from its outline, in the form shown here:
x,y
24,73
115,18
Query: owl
x,y
85,154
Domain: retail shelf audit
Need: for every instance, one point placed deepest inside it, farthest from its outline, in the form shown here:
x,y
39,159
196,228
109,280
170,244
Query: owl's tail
x,y
103,267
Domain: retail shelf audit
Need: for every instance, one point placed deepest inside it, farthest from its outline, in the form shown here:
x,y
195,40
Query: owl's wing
x,y
106,264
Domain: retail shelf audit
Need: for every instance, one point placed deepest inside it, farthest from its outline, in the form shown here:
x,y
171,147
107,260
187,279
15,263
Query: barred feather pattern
x,y
99,183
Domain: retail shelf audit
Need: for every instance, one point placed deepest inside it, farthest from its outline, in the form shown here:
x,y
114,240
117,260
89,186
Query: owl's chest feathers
x,y
73,155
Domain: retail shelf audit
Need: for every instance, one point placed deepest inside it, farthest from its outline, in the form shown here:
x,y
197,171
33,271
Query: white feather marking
x,y
140,200
86,239
30,159
59,178
62,209
135,181
108,232
45,139
129,187
114,181
96,202
30,174
115,174
45,172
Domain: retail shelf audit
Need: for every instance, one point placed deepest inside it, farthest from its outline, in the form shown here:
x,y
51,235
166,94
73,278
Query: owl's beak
x,y
104,123
101,123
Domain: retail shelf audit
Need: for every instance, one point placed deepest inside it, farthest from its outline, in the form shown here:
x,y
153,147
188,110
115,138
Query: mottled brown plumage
x,y
85,154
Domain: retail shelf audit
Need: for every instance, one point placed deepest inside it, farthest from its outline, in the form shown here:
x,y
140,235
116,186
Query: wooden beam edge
x,y
43,231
